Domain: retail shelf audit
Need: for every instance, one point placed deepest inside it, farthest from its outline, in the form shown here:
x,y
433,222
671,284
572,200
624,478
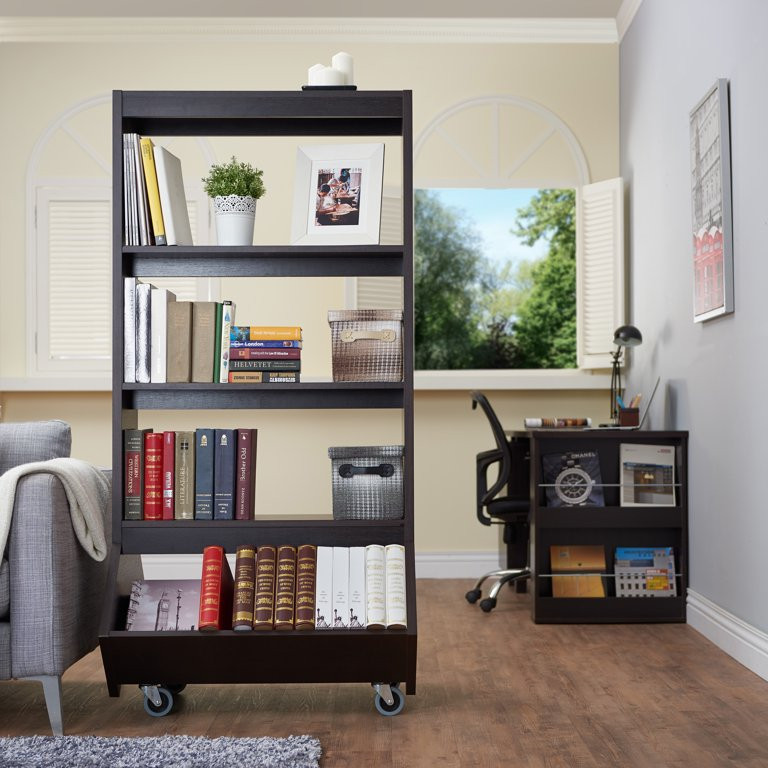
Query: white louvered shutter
x,y
384,292
600,287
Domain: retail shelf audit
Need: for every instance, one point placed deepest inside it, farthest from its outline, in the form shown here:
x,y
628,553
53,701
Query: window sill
x,y
94,383
522,379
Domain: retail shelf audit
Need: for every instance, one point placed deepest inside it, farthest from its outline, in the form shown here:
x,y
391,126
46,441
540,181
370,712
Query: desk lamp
x,y
624,336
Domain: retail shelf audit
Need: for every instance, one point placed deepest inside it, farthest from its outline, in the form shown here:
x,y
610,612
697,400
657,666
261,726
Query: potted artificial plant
x,y
234,187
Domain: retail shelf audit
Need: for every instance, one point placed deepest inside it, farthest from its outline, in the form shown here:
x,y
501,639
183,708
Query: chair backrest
x,y
502,444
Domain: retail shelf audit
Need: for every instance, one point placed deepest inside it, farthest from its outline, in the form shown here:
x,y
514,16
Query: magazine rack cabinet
x,y
173,659
611,526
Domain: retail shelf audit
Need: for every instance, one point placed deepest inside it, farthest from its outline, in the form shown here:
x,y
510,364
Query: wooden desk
x,y
611,526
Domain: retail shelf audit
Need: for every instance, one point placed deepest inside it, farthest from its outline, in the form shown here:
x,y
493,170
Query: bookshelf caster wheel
x,y
488,604
388,699
473,595
158,701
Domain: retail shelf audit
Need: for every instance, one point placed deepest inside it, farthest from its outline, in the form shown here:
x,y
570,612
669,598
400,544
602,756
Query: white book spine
x,y
340,588
143,333
133,211
158,300
324,589
141,192
173,201
129,330
357,605
227,321
397,616
375,587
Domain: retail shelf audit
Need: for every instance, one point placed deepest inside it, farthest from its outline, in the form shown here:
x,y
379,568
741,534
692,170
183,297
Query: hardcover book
x,y
179,348
394,556
580,569
169,473
216,590
159,299
324,588
153,476
227,320
264,377
153,191
262,353
163,605
572,479
133,457
647,475
203,340
245,588
184,490
129,329
173,201
375,587
340,588
143,332
204,460
285,587
261,343
264,608
357,604
306,574
265,333
225,446
265,365
245,482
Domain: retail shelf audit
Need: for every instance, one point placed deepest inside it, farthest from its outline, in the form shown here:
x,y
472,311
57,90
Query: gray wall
x,y
715,372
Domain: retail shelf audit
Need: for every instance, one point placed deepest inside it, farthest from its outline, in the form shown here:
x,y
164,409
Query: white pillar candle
x,y
329,76
343,62
312,74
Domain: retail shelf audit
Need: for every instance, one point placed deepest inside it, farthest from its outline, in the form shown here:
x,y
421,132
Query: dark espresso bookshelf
x,y
611,526
178,658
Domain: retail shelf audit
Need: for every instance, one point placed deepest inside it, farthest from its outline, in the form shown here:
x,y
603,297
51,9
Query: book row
x,y
205,474
154,204
646,477
579,571
282,588
166,340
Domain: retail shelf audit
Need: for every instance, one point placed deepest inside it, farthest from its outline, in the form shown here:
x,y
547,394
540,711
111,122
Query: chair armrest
x,y
57,589
485,460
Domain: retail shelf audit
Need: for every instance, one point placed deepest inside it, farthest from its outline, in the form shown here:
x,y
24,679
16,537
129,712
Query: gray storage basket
x,y
366,344
367,482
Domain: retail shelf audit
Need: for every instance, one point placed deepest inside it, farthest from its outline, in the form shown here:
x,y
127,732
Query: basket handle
x,y
386,335
383,470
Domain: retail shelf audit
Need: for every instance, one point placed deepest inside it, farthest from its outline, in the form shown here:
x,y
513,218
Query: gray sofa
x,y
51,590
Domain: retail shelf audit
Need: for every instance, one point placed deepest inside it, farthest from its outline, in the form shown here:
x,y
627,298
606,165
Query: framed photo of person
x,y
711,205
337,194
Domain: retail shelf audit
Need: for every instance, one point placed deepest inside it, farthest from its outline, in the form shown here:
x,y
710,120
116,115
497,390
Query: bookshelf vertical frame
x,y
146,658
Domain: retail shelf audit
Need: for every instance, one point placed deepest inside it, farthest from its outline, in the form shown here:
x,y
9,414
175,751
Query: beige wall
x,y
579,83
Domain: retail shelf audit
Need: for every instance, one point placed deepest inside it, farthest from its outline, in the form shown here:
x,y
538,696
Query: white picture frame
x,y
337,194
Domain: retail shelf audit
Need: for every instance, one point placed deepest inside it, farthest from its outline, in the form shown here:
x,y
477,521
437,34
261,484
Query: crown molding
x,y
281,30
625,16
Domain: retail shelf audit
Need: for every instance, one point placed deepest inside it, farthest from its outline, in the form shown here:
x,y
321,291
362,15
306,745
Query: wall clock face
x,y
573,485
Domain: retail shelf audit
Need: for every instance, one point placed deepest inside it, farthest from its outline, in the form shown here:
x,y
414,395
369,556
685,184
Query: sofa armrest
x,y
57,589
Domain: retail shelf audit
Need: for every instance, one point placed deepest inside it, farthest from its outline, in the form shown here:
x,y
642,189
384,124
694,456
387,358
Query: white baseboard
x,y
749,646
429,565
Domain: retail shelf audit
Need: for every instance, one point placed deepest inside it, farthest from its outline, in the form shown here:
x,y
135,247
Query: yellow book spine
x,y
282,332
153,191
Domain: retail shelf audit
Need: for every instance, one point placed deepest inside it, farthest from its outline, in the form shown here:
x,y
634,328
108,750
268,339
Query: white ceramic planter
x,y
235,217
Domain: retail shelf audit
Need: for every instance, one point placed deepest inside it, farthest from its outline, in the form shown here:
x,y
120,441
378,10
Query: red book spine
x,y
153,476
245,486
285,587
265,353
169,473
216,590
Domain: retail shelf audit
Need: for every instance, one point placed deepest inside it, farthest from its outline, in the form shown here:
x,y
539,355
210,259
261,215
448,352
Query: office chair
x,y
511,510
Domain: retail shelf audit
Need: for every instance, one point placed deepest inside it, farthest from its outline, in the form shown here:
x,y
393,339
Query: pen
x,y
620,402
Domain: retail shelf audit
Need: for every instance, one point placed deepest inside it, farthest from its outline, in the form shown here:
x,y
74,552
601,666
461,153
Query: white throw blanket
x,y
87,491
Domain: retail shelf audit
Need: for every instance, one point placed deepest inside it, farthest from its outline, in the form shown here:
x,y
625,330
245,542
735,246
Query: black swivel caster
x,y
473,595
488,604
158,701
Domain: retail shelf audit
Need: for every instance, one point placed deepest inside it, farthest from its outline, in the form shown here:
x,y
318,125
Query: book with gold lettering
x,y
245,582
285,587
264,607
216,590
153,476
306,572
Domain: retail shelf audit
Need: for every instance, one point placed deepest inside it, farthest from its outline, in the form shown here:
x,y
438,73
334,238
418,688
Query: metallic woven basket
x,y
367,482
367,344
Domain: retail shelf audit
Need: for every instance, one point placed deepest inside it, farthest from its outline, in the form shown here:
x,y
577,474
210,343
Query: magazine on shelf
x,y
647,475
572,479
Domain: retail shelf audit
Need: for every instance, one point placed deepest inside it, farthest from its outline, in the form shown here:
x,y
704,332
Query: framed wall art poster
x,y
711,205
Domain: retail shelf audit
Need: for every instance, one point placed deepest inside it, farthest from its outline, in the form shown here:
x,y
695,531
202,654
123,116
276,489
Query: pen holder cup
x,y
629,417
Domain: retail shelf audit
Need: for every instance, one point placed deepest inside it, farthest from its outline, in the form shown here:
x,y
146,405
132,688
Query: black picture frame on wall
x,y
712,218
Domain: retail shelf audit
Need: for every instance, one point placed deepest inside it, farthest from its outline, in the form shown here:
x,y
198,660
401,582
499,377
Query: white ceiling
x,y
403,9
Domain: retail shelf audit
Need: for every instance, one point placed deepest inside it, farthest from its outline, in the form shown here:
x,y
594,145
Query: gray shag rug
x,y
159,752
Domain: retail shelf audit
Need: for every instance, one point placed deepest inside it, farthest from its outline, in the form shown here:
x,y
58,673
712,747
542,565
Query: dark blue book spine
x,y
224,474
204,464
237,342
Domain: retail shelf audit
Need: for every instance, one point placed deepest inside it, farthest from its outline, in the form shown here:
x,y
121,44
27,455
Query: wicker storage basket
x,y
367,482
367,344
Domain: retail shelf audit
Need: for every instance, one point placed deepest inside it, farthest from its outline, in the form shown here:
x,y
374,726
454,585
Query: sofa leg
x,y
52,691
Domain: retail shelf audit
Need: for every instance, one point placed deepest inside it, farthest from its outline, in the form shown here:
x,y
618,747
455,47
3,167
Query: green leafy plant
x,y
234,178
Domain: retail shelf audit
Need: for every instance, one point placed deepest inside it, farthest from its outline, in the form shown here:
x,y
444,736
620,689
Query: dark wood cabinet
x,y
154,658
609,526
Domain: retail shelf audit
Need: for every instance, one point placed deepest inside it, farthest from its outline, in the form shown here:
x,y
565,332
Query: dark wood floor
x,y
494,690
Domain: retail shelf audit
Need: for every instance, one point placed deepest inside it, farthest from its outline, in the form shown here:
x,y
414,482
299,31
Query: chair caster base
x,y
473,595
488,604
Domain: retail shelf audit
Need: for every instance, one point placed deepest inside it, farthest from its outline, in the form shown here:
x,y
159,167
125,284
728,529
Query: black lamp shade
x,y
627,336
